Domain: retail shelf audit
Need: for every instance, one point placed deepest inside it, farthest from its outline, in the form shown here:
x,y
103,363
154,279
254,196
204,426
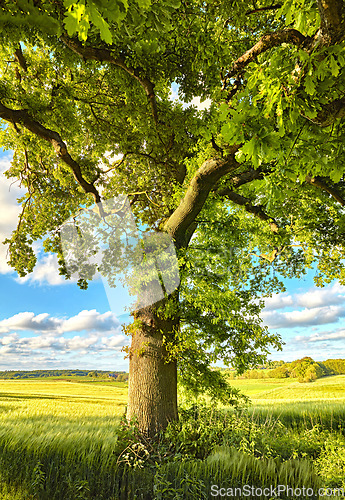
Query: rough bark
x,y
265,43
256,210
332,13
324,185
206,177
152,395
329,113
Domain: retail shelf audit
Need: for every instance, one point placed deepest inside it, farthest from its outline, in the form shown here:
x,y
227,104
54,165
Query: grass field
x,y
262,391
63,436
62,418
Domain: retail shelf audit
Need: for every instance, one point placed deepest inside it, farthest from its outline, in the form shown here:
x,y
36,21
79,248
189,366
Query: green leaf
x,y
144,4
249,147
336,175
71,24
175,4
69,3
98,21
309,85
334,66
223,112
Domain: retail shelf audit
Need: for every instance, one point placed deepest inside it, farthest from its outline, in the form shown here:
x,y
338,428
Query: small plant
x,y
38,478
135,455
331,462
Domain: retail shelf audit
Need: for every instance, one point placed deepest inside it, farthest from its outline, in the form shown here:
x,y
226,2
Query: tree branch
x,y
332,13
19,56
105,55
22,117
181,223
270,7
265,43
322,184
249,207
245,177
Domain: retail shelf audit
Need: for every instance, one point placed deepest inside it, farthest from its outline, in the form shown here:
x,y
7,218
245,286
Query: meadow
x,y
64,439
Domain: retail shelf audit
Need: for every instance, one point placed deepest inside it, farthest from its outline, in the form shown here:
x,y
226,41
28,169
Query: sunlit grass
x,y
60,414
66,433
262,391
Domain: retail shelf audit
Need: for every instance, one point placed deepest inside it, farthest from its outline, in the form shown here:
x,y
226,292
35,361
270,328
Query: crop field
x,y
63,439
262,391
60,412
67,418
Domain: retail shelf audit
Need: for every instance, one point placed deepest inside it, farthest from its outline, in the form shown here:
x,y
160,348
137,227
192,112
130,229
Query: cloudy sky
x,y
48,322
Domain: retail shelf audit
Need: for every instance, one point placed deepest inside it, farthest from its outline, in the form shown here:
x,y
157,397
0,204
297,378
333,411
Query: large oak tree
x,y
248,190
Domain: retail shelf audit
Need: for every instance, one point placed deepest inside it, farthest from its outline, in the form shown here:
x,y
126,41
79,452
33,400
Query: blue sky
x,y
48,322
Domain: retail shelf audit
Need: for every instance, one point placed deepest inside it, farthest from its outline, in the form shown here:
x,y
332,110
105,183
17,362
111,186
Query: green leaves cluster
x,y
113,108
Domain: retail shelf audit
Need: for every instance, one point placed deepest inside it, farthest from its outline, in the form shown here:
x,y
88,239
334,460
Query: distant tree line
x,y
119,376
304,370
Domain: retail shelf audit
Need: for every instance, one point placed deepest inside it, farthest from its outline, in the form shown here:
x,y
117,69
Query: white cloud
x,y
91,344
196,101
28,321
305,317
321,337
320,307
90,321
46,271
278,301
320,297
9,211
46,346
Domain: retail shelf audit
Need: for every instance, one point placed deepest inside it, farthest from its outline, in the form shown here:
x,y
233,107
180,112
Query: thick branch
x,y
105,55
265,43
18,54
332,14
322,184
181,221
260,9
245,177
21,116
249,207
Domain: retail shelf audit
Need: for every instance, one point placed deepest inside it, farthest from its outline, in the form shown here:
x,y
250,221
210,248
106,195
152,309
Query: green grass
x,y
262,390
297,404
57,421
61,438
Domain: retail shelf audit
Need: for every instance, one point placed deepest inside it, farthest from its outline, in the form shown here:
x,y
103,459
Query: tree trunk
x,y
152,398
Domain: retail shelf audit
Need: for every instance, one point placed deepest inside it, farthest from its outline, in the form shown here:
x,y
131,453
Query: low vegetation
x,y
66,374
304,370
66,440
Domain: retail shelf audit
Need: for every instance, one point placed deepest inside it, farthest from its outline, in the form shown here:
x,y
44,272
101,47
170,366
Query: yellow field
x,y
60,414
265,391
55,398
61,439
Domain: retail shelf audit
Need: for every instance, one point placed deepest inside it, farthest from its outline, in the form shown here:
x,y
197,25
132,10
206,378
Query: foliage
x,y
335,365
251,190
22,374
331,463
305,370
